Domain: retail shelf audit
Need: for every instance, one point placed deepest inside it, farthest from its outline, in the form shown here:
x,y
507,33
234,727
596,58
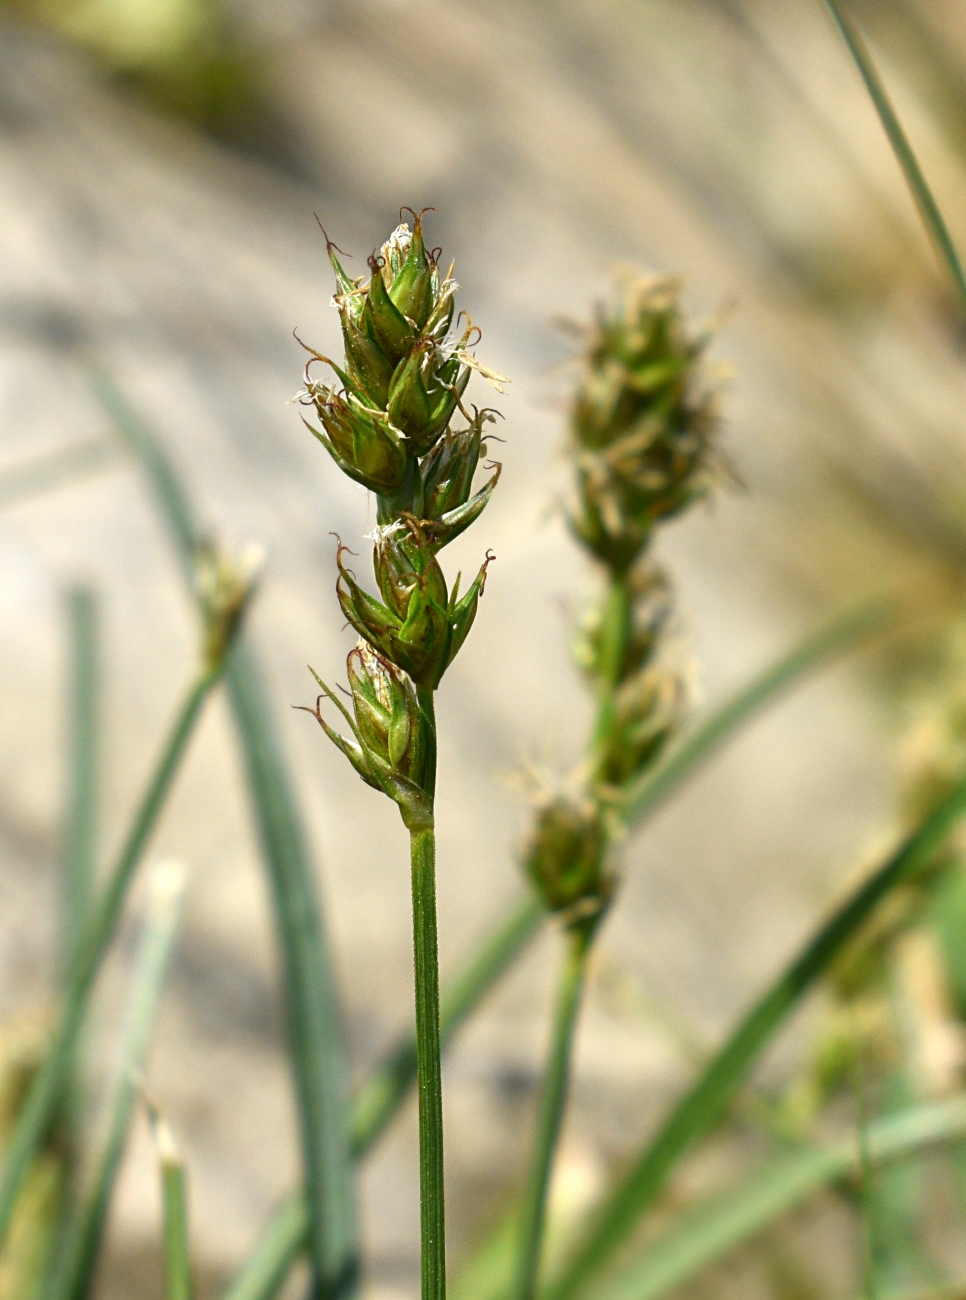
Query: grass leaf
x,y
318,1050
928,208
721,1223
74,1275
39,474
703,1106
833,638
47,1090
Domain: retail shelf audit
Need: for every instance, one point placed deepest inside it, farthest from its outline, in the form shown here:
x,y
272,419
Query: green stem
x,y
615,632
429,1082
380,1097
45,1093
552,1103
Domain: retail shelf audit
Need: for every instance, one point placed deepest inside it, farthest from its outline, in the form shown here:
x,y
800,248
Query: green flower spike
x,y
643,423
392,740
566,858
420,627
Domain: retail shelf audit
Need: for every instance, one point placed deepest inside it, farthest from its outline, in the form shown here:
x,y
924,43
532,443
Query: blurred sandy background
x,y
166,219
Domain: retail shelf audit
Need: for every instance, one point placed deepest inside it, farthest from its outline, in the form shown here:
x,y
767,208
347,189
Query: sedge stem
x,y
615,630
429,1082
552,1102
104,912
429,1085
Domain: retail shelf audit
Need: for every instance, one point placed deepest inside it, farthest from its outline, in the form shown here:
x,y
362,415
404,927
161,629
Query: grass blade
x,y
51,469
46,1091
317,1044
315,1028
932,218
704,1105
836,637
75,1275
174,1200
377,1101
80,840
724,1221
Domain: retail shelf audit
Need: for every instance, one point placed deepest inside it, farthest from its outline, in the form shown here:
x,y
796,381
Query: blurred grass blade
x,y
262,1276
314,1021
164,481
703,1106
833,638
266,1270
928,208
80,833
726,1220
74,1277
315,1028
46,1092
80,840
37,475
174,1201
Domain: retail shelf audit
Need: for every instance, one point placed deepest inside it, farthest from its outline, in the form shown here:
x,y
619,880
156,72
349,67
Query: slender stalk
x,y
552,1103
614,633
929,211
380,1097
47,1089
429,1081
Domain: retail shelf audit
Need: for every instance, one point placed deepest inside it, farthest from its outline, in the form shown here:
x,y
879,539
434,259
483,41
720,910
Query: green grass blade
x,y
262,1275
315,1028
703,1106
174,1201
171,495
80,839
317,1044
51,469
75,1275
46,1092
266,1270
928,208
80,830
726,1220
834,638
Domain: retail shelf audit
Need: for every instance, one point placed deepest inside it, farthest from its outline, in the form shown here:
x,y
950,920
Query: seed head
x,y
566,858
391,743
224,585
643,421
421,626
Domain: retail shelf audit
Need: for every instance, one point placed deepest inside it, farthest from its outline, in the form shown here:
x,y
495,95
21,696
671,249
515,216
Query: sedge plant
x,y
386,422
643,425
